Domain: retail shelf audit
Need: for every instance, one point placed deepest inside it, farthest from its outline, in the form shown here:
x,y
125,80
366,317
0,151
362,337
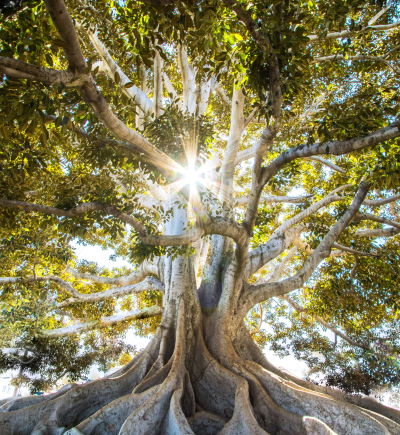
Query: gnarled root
x,y
182,389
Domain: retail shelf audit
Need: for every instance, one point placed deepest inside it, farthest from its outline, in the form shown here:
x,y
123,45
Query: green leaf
x,y
60,43
117,78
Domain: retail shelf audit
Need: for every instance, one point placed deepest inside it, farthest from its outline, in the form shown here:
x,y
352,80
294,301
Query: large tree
x,y
238,154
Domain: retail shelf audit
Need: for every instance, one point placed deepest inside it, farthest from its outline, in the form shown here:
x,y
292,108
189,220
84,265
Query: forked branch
x,y
255,294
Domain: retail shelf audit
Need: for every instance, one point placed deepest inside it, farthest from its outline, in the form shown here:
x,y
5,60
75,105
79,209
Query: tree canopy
x,y
274,124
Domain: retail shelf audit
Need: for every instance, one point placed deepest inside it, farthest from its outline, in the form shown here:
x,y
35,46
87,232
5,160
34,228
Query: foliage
x,y
55,151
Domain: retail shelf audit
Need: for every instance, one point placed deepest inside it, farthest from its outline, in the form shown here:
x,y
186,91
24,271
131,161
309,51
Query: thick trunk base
x,y
177,386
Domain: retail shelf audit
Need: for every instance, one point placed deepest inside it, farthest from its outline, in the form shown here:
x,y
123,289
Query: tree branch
x,y
242,201
148,284
111,68
102,322
282,238
80,209
380,13
358,57
188,74
386,232
171,90
235,133
320,320
251,25
48,76
379,202
91,94
332,148
255,294
352,251
327,163
144,270
371,217
347,33
158,85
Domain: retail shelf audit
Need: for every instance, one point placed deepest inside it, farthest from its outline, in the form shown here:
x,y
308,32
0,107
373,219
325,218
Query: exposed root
x,y
204,423
342,417
23,402
109,420
248,350
74,406
243,421
175,423
152,396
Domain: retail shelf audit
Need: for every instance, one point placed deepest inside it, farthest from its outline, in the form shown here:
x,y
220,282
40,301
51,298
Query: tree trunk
x,y
194,377
202,373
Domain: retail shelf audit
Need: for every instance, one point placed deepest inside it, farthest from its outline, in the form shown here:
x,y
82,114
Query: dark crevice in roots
x,y
171,390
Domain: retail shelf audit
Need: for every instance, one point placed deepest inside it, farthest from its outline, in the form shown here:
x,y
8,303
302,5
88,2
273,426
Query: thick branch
x,y
148,284
91,94
112,68
371,217
235,133
80,209
242,201
386,232
266,252
300,309
347,33
379,202
144,270
188,74
22,70
101,323
358,57
334,148
255,294
158,85
282,238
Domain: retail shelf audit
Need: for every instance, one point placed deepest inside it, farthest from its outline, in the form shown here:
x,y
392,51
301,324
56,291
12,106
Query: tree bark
x,y
196,376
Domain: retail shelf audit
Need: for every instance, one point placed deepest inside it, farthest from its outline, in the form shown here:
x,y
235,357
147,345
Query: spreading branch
x,y
325,324
347,33
379,202
282,237
111,68
90,325
148,284
49,76
371,217
92,96
359,57
144,270
240,202
334,148
76,211
385,232
255,294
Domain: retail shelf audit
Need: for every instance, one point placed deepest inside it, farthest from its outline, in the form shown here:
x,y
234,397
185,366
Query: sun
x,y
191,177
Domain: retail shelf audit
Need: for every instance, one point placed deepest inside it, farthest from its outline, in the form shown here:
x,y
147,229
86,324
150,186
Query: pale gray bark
x,y
124,316
275,199
192,377
347,33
